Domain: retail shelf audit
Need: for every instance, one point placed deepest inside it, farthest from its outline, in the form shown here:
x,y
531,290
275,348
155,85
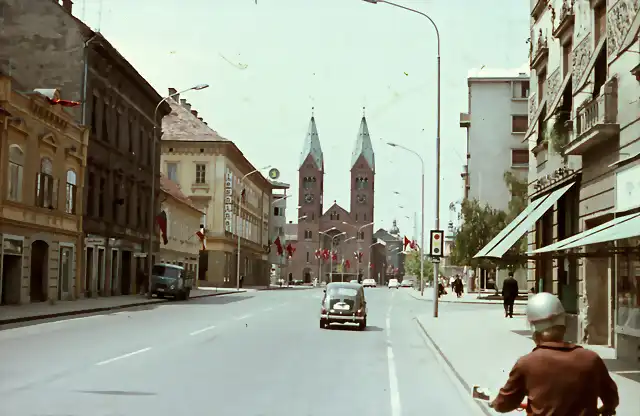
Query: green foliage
x,y
412,265
557,134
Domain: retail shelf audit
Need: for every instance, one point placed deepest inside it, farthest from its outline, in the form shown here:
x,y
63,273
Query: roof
x,y
499,73
312,146
171,188
344,284
181,124
280,185
363,146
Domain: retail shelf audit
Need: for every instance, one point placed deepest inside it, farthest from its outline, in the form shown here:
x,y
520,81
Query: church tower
x,y
362,179
311,184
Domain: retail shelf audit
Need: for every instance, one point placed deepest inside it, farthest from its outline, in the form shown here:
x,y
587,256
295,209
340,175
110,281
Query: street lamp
x,y
333,238
358,247
437,219
240,217
152,198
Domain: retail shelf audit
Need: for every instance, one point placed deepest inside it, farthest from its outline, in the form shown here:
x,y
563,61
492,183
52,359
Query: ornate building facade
x,y
341,232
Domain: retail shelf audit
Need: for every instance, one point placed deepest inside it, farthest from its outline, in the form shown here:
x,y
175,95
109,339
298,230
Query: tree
x,y
518,202
412,265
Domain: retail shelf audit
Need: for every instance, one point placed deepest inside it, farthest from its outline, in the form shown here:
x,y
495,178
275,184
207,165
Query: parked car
x,y
369,283
171,280
343,303
407,283
393,284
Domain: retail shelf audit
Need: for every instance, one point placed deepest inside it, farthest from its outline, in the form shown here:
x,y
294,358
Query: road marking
x,y
240,318
200,331
123,356
268,309
394,390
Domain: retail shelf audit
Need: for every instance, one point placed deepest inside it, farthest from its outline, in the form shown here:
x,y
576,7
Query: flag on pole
x,y
406,242
161,219
203,240
278,246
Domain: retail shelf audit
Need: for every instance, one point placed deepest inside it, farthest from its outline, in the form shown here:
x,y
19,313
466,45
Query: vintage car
x,y
343,303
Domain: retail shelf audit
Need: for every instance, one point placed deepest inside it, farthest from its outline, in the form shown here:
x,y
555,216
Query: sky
x,y
268,63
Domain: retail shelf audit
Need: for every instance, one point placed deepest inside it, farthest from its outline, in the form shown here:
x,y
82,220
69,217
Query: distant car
x,y
406,283
393,284
343,303
369,283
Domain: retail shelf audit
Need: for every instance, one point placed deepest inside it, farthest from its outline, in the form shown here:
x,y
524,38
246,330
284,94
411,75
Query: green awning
x,y
620,228
521,224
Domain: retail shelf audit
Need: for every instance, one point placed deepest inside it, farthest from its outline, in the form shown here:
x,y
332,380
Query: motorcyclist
x,y
557,378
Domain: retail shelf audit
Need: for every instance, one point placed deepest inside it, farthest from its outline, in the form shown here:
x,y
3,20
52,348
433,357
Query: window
x,y
308,182
542,80
142,148
203,221
308,235
567,58
139,196
131,133
307,257
521,89
172,172
117,130
70,207
334,216
105,127
361,235
16,168
519,124
94,123
45,185
91,194
101,196
278,211
361,182
201,173
519,157
600,21
152,149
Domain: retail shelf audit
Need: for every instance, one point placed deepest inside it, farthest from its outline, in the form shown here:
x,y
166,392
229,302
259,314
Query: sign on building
x,y
628,189
228,201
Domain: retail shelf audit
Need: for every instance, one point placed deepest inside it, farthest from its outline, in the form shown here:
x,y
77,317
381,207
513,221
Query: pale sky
x,y
269,63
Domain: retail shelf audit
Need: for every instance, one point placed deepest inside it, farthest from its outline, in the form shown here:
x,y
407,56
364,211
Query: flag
x,y
290,250
347,264
325,254
371,265
406,242
243,196
63,103
161,219
318,254
334,256
203,240
413,245
278,246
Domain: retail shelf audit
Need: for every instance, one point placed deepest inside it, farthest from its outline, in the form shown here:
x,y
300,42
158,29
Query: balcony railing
x,y
596,120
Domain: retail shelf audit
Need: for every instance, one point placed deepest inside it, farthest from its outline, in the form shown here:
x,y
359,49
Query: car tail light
x,y
361,312
323,310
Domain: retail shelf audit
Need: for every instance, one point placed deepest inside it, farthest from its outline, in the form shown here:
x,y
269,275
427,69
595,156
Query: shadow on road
x,y
369,328
211,300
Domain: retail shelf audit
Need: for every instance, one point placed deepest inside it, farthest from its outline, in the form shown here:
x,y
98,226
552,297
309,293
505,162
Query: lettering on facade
x,y
228,201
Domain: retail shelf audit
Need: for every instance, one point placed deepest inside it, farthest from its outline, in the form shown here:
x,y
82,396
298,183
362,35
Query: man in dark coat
x,y
509,294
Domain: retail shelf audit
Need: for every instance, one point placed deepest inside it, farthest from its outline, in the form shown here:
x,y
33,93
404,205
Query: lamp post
x,y
437,219
333,238
152,198
358,247
238,222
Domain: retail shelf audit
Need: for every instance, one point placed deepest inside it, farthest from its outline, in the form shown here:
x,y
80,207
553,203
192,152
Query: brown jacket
x,y
558,379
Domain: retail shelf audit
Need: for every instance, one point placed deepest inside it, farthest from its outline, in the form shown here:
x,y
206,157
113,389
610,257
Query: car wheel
x,y
323,324
362,325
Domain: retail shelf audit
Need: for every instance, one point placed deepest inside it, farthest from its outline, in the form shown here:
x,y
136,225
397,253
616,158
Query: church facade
x,y
334,243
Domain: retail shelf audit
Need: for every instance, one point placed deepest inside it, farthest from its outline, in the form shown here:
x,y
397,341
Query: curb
x,y
483,407
101,309
474,302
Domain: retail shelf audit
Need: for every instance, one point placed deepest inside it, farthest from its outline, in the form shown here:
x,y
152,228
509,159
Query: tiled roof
x,y
181,124
171,188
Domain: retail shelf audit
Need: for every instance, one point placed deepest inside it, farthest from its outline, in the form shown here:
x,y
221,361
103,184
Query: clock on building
x,y
361,199
308,198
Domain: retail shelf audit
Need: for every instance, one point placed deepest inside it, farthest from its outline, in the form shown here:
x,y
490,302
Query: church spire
x,y
363,145
312,144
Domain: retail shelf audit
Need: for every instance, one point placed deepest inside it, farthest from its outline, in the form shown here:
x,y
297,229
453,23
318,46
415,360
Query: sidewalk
x,y
34,311
482,346
452,298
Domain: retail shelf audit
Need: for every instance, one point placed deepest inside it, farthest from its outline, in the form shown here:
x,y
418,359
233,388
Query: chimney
x,y
185,104
200,118
67,5
195,113
176,97
205,123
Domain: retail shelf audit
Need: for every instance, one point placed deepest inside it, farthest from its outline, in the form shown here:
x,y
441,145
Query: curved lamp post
x,y
357,236
333,238
437,219
152,198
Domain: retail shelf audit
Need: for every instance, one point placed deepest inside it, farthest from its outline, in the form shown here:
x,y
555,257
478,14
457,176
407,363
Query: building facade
x,y
335,229
118,104
183,222
277,223
388,258
496,122
43,154
209,170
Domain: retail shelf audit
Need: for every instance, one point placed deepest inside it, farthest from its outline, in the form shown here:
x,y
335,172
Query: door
x,y
115,269
65,270
101,279
125,268
38,289
88,272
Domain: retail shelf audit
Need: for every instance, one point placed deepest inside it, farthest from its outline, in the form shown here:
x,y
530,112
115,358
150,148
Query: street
x,y
256,353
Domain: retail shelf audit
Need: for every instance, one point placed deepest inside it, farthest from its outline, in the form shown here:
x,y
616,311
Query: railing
x,y
601,110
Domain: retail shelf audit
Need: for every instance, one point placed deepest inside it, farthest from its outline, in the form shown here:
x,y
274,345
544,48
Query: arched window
x,y
16,168
72,187
45,185
361,182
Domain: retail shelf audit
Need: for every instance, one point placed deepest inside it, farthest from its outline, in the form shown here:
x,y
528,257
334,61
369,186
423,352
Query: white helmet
x,y
544,311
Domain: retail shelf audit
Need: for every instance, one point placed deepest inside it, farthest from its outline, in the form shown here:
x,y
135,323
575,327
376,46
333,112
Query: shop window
x,y
628,302
16,169
72,187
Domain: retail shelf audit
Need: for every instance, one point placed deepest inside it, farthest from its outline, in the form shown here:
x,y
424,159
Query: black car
x,y
343,303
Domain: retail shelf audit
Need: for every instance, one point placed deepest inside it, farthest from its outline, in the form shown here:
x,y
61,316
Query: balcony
x,y
537,8
465,120
596,120
566,20
540,54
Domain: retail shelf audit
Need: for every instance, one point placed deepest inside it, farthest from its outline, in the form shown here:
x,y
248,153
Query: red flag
x,y
290,250
278,246
63,103
243,196
347,264
406,242
334,256
318,254
161,219
203,240
325,254
371,265
413,245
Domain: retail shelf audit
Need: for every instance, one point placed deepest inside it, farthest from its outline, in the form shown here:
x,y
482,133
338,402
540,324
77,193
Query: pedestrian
x,y
509,294
458,287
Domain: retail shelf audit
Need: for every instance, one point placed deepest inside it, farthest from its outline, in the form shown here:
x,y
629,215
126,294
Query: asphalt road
x,y
251,354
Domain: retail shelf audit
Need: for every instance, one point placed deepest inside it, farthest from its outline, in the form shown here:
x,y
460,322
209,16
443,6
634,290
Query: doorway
x,y
11,279
125,272
101,279
307,274
115,256
65,268
88,277
39,271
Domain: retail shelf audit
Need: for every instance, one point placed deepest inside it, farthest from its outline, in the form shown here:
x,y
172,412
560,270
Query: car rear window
x,y
342,291
165,271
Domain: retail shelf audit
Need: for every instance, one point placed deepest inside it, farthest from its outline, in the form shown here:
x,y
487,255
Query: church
x,y
333,243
